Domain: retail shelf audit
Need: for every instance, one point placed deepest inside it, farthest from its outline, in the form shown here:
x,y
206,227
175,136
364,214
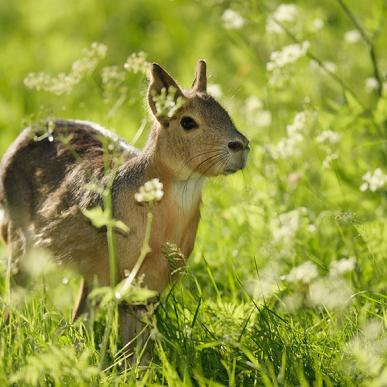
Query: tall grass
x,y
287,282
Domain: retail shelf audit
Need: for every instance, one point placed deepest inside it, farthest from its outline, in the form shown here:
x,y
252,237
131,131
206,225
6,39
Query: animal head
x,y
196,136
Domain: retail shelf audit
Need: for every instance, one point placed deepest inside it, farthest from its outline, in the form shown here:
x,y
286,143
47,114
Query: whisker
x,y
220,159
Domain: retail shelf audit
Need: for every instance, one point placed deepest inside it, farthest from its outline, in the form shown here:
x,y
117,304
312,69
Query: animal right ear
x,y
160,80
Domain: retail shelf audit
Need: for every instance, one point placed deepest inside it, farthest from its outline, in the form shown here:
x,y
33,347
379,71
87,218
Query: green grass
x,y
243,314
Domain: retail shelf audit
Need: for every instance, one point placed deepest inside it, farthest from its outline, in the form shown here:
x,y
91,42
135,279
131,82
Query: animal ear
x,y
200,82
160,80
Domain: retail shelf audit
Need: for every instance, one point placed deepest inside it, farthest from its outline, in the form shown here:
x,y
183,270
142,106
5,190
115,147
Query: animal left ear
x,y
200,82
161,81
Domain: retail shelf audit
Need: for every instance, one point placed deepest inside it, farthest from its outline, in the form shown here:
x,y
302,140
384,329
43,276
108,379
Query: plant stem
x,y
369,44
106,334
111,240
321,64
145,249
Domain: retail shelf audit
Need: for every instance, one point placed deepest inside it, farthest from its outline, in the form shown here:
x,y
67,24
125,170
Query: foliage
x,y
287,282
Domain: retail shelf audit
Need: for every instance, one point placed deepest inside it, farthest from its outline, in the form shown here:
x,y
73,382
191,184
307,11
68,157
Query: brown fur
x,y
44,185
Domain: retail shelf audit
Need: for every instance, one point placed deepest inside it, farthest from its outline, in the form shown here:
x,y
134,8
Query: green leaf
x,y
100,218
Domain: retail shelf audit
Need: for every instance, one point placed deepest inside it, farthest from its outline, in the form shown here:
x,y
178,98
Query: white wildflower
x,y
330,66
255,113
137,63
266,285
304,273
333,293
328,160
352,36
292,302
328,136
151,191
288,54
285,13
373,329
374,181
253,104
290,146
167,102
342,266
214,90
264,118
287,147
371,84
298,124
63,83
272,27
284,227
232,20
317,24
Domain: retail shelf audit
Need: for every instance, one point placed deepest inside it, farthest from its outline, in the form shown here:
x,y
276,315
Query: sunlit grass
x,y
287,282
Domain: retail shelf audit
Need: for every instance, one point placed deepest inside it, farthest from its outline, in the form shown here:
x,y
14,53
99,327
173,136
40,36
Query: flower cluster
x,y
304,273
137,63
285,13
232,20
151,191
288,54
282,58
290,146
342,266
167,104
374,181
371,84
113,82
333,291
352,36
63,83
255,114
284,227
328,136
328,139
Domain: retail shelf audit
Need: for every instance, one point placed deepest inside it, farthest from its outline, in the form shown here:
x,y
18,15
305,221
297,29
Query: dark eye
x,y
188,123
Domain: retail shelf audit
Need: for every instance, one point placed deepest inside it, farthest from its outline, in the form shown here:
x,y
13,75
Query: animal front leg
x,y
81,304
135,330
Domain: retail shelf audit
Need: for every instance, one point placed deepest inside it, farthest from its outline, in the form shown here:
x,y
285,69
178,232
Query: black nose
x,y
236,146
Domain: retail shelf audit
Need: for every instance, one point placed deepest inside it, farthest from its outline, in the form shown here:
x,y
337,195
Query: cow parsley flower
x,y
328,136
151,191
352,36
290,146
288,54
304,273
373,180
342,266
317,24
284,227
255,113
232,20
137,63
333,293
328,160
285,13
371,84
330,66
63,83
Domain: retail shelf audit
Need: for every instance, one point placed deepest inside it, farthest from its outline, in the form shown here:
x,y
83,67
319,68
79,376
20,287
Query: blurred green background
x,y
314,190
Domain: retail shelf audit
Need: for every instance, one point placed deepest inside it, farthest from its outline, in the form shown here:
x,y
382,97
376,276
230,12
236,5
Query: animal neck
x,y
182,187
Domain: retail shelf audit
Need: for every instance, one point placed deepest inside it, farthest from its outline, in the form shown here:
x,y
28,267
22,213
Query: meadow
x,y
287,284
